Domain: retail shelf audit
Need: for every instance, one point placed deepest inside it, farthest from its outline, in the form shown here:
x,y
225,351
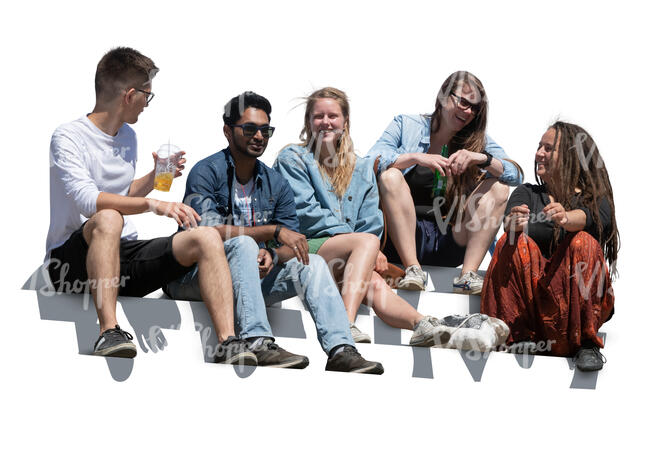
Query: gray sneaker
x,y
358,336
429,332
414,279
470,283
115,343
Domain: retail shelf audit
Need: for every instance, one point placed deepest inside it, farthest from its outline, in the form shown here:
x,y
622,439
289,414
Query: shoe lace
x,y
352,351
117,330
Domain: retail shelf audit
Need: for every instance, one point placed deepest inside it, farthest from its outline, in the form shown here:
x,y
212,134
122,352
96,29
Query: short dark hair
x,y
120,68
234,109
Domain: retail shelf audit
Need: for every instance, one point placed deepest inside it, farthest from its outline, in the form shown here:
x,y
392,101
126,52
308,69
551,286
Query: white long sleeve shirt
x,y
85,161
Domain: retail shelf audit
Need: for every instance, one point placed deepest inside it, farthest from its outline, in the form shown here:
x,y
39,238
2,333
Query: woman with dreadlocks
x,y
548,280
443,185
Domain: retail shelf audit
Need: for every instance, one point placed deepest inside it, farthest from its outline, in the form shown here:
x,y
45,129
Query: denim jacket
x,y
411,134
320,211
209,186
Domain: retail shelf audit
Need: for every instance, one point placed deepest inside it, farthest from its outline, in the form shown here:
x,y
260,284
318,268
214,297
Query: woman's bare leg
x,y
397,204
351,258
481,220
389,307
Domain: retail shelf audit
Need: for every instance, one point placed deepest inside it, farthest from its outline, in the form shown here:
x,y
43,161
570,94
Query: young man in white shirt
x,y
92,186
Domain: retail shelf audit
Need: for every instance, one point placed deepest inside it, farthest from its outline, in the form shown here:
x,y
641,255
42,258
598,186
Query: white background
x,y
583,61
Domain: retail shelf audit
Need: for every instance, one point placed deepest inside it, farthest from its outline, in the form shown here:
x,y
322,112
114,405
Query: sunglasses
x,y
251,129
464,104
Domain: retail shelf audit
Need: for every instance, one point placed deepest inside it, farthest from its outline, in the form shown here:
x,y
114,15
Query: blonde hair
x,y
345,156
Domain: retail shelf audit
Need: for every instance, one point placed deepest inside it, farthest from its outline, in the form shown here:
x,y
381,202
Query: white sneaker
x,y
414,279
429,332
358,336
469,283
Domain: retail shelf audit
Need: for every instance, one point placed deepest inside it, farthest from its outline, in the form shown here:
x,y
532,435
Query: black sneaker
x,y
235,351
589,359
270,354
115,343
350,361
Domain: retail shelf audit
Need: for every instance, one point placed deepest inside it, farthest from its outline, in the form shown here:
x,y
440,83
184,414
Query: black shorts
x,y
145,265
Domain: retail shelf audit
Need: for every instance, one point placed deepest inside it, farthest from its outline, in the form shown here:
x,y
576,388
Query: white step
x,y
155,319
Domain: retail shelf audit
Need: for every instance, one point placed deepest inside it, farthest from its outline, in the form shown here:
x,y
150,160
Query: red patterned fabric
x,y
565,299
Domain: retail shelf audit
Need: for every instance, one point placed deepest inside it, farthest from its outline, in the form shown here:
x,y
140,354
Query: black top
x,y
420,182
541,230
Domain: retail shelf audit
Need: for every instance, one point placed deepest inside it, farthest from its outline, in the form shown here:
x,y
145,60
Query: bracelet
x,y
277,232
487,162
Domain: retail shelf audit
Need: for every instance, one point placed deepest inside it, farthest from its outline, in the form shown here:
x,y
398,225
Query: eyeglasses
x,y
251,129
464,104
150,95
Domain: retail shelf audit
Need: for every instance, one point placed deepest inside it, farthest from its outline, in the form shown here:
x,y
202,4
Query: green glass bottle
x,y
440,181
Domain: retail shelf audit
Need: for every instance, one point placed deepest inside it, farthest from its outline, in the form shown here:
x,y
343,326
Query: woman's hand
x,y
556,213
463,159
381,264
517,219
434,162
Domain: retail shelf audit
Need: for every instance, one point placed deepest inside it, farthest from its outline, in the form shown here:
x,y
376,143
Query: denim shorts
x,y
432,246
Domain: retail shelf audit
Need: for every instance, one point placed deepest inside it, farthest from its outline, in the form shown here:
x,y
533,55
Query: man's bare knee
x,y
207,239
107,222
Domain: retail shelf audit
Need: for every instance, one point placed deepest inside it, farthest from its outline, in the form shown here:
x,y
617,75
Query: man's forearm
x,y
285,254
258,233
142,186
126,205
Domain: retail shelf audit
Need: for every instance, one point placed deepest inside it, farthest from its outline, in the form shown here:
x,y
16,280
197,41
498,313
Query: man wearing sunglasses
x,y
92,247
252,206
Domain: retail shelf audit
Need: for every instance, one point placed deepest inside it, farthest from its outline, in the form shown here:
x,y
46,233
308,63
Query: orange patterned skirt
x,y
562,301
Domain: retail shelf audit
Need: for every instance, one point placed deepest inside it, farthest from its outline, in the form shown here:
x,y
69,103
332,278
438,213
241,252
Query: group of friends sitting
x,y
329,226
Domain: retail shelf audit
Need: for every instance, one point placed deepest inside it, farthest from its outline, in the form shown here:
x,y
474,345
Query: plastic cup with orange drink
x,y
166,166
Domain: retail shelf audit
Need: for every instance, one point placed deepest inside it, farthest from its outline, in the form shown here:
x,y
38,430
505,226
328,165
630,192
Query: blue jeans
x,y
313,283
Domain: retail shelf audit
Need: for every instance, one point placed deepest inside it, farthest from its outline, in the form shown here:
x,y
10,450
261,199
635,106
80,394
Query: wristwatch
x,y
487,162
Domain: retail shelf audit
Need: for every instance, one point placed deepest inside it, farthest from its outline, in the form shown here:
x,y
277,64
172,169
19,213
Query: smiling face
x,y
460,107
252,147
326,121
546,157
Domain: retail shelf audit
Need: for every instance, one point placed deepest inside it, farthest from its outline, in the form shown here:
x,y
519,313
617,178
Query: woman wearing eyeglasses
x,y
548,279
443,185
338,209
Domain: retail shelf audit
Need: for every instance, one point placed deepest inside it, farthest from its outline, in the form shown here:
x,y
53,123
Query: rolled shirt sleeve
x,y
511,175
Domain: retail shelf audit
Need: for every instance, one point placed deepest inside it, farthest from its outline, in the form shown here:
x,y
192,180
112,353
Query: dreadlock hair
x,y
345,157
579,165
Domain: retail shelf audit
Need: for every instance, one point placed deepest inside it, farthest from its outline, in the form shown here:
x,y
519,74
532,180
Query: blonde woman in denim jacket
x,y
338,208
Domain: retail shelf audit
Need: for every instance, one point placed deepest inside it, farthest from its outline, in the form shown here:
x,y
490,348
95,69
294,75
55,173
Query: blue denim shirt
x,y
411,134
320,211
209,187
